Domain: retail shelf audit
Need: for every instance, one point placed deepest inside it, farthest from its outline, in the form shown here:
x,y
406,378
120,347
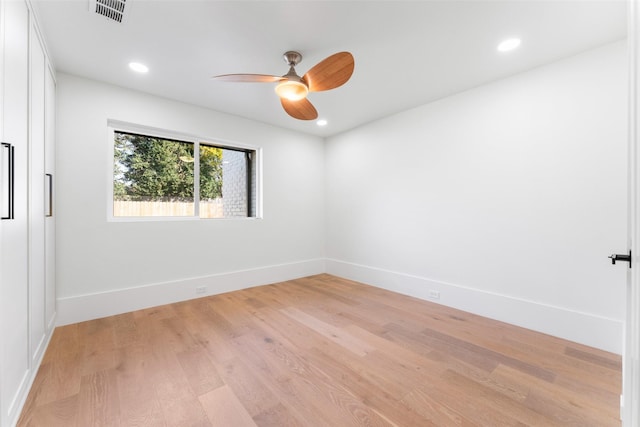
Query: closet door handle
x,y
7,212
49,203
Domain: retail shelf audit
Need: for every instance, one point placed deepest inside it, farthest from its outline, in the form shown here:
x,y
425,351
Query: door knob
x,y
620,257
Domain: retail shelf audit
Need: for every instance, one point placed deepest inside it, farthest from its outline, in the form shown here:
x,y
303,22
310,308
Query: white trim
x,y
38,353
196,180
630,407
196,140
16,407
596,331
80,308
34,14
181,136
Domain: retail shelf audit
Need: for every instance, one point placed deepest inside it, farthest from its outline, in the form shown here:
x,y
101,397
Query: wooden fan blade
x,y
248,78
302,109
330,73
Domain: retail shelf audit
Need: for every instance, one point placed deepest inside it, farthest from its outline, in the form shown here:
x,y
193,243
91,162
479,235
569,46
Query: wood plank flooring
x,y
318,351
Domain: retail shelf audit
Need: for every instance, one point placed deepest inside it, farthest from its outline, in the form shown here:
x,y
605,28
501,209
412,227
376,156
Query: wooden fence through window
x,y
208,209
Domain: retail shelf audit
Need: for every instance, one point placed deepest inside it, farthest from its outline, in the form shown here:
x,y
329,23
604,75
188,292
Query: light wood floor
x,y
319,351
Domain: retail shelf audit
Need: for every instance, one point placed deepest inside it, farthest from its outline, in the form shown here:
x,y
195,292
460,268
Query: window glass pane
x,y
211,205
152,176
224,188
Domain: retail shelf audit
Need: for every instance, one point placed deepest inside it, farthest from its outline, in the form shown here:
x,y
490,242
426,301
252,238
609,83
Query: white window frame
x,y
197,140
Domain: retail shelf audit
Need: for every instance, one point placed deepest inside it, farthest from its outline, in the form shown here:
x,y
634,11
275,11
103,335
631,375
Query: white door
x,y
14,360
37,326
50,224
631,355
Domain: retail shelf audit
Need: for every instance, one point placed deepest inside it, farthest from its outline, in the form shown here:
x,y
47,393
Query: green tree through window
x,y
147,168
154,176
210,172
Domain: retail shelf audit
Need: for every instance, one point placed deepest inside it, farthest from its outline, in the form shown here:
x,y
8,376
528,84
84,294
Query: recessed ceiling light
x,y
138,67
509,44
322,122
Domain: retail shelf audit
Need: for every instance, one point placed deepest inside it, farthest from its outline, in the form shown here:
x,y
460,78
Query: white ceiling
x,y
407,53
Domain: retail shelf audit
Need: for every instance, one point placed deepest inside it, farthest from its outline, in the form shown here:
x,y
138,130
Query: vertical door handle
x,y
49,204
8,212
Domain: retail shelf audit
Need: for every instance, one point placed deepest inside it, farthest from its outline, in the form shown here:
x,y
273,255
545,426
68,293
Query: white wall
x,y
111,267
506,199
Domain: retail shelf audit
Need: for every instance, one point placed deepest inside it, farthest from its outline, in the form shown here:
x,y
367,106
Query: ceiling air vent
x,y
111,9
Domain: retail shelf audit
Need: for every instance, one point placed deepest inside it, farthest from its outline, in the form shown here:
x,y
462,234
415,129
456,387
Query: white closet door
x,y
50,176
36,198
14,303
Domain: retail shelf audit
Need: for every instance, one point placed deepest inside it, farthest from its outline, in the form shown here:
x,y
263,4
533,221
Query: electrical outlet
x,y
201,289
434,294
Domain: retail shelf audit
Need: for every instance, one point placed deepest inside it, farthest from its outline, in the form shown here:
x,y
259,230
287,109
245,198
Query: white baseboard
x,y
585,328
16,407
93,306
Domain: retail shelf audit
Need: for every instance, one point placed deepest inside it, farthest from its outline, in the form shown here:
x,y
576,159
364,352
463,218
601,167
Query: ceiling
x,y
407,53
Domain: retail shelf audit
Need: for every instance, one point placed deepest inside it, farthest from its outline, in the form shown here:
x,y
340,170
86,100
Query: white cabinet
x,y
27,276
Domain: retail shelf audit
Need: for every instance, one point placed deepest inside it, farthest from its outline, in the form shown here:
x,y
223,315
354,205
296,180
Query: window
x,y
227,182
156,176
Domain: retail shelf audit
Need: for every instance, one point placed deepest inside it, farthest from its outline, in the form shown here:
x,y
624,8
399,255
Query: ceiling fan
x,y
292,89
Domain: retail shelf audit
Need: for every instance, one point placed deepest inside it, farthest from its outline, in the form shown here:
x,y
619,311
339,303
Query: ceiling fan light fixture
x,y
292,90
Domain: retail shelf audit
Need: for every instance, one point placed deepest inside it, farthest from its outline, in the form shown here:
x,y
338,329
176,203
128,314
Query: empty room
x,y
319,213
